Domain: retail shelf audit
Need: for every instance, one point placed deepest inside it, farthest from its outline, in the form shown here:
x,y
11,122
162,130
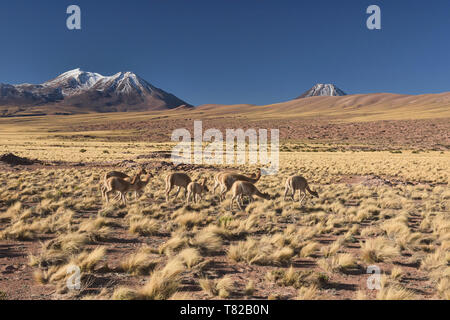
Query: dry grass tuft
x,y
144,226
309,249
44,276
397,273
262,252
174,244
87,261
443,288
333,248
435,261
221,287
190,257
163,283
378,250
341,262
189,220
123,293
395,293
207,241
138,263
308,293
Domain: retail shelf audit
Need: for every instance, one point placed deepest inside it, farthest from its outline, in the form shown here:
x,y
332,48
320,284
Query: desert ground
x,y
384,200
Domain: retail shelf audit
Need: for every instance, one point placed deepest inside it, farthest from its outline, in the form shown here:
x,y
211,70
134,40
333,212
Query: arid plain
x,y
380,164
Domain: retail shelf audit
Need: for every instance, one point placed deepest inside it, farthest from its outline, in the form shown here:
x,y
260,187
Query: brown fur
x,y
115,184
299,183
196,190
227,179
140,185
118,174
217,178
177,179
245,188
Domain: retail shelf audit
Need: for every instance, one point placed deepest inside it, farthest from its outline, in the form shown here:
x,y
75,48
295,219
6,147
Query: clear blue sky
x,y
233,51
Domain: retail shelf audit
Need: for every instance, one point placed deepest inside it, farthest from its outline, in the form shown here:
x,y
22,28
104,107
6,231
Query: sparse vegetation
x,y
375,207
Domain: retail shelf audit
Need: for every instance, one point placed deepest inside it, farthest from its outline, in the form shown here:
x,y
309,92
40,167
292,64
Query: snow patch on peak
x,y
78,73
74,81
323,90
124,83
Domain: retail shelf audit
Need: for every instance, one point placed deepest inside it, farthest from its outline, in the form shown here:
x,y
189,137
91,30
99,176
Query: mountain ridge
x,y
78,92
89,91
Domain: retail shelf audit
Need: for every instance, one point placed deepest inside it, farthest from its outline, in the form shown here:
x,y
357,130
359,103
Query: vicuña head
x,y
204,185
314,194
266,196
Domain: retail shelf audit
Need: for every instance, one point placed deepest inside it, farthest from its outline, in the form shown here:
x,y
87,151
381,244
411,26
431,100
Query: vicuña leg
x,y
301,197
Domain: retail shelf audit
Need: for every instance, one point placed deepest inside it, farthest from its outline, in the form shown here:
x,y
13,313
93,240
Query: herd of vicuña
x,y
240,185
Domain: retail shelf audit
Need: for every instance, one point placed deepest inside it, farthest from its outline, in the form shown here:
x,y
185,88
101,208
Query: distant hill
x,y
358,107
77,91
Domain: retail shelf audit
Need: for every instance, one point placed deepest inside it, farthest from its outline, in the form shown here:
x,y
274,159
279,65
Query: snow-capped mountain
x,y
320,90
88,91
74,81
